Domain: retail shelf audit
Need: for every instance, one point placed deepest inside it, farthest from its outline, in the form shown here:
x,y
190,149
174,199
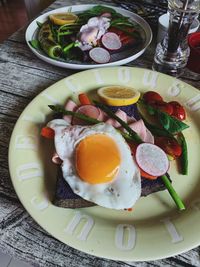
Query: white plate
x,y
124,58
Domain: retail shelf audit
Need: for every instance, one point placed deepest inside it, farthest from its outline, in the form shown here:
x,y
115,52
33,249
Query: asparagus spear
x,y
133,134
173,193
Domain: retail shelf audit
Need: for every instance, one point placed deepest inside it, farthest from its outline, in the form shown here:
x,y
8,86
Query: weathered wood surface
x,y
22,77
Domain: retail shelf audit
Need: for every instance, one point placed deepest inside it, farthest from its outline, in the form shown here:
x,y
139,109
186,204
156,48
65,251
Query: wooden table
x,y
22,77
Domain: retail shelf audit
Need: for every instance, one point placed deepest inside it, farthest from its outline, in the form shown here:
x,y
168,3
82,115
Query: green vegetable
x,y
122,21
39,24
68,47
97,11
155,130
184,156
35,44
48,43
133,134
173,193
169,123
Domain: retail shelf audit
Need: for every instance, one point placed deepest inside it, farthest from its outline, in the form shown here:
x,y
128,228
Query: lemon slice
x,y
118,95
63,18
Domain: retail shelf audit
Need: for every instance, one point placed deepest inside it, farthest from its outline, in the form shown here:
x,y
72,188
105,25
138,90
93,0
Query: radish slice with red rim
x,y
88,110
111,41
152,159
99,55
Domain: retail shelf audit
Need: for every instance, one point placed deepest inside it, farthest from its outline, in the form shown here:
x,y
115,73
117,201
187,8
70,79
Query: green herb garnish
x,y
169,123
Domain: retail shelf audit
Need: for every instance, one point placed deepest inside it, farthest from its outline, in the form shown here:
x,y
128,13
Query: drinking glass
x,y
172,52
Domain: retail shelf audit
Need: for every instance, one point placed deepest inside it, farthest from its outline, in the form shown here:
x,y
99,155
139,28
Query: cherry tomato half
x,y
164,107
169,145
151,97
124,37
178,110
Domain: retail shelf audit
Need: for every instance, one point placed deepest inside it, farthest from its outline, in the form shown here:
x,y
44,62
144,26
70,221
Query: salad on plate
x,y
98,35
118,148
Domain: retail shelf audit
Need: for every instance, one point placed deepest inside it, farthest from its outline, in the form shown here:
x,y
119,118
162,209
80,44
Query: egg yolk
x,y
97,159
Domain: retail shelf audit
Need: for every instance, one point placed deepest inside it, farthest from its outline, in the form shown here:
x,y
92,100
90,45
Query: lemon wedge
x,y
63,18
117,95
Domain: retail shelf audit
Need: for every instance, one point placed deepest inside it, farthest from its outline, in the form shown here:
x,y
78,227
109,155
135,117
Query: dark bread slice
x,y
66,198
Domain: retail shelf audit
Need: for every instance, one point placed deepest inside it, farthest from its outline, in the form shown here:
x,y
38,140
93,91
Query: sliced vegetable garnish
x,y
144,174
63,19
47,132
84,99
184,155
99,55
111,41
152,159
118,95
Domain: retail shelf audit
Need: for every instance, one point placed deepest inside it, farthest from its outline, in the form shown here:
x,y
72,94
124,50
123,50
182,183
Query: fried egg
x,y
97,164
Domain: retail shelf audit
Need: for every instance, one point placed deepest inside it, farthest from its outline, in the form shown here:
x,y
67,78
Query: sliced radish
x,y
90,111
99,55
111,41
152,159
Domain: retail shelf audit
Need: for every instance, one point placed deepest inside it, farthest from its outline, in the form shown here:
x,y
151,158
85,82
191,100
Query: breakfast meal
x,y
93,35
117,149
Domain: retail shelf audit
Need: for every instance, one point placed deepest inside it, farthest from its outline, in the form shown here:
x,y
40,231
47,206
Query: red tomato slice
x,y
124,38
151,97
164,107
178,110
169,145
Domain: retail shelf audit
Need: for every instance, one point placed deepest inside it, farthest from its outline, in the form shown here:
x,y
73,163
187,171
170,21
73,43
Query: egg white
x,y
123,191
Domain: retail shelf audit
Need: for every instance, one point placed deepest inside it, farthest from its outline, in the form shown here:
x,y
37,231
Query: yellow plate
x,y
155,229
